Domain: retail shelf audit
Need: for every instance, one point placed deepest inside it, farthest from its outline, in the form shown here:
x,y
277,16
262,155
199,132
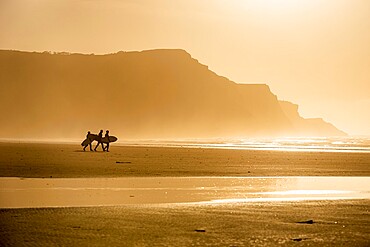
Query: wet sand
x,y
334,222
80,192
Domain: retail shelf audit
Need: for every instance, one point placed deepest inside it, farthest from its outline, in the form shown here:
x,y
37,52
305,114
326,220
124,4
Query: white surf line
x,y
251,200
257,147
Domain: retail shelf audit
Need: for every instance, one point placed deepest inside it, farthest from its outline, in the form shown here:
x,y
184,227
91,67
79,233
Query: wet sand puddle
x,y
76,192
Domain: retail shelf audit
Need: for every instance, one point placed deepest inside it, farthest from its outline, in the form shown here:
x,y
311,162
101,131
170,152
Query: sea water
x,y
321,144
77,192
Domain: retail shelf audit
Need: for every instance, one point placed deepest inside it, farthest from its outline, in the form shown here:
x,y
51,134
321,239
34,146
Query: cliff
x,y
149,94
308,126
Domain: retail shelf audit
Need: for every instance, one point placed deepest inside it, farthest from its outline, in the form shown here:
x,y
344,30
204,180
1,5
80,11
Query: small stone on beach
x,y
306,222
200,230
297,239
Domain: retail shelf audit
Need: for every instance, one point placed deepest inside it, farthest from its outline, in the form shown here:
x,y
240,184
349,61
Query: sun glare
x,y
275,6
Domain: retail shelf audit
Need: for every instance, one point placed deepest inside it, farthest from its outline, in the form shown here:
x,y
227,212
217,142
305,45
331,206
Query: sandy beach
x,y
68,160
335,223
318,222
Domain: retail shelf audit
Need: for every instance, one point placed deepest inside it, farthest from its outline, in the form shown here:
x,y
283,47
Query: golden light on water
x,y
306,192
287,144
176,190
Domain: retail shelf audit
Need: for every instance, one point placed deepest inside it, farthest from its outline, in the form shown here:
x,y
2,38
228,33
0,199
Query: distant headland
x,y
148,94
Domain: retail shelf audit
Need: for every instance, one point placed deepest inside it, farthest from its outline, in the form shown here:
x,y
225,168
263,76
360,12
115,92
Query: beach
x,y
69,161
185,220
335,223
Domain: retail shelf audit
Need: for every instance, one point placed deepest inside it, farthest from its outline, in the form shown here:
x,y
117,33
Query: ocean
x,y
314,144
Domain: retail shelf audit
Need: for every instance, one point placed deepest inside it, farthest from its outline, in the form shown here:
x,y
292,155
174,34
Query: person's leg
x,y
90,146
107,147
96,146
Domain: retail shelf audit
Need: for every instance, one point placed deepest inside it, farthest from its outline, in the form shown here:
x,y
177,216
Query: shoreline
x,y
258,144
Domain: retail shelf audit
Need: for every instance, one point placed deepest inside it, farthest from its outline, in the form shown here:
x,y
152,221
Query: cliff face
x,y
308,126
149,94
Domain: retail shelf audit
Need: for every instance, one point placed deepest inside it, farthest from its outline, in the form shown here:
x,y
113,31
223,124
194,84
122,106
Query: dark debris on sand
x,y
306,222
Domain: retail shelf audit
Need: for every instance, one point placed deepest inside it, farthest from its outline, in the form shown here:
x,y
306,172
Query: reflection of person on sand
x,y
90,140
98,139
106,137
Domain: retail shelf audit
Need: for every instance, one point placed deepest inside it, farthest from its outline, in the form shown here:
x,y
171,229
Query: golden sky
x,y
315,53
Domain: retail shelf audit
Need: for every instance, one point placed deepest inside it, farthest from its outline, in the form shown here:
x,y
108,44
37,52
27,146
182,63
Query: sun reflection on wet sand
x,y
71,192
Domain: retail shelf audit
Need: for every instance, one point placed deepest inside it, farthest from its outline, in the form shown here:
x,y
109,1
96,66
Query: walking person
x,y
107,138
90,139
98,139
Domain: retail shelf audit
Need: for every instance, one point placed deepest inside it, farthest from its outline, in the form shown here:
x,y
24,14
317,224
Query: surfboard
x,y
111,139
87,141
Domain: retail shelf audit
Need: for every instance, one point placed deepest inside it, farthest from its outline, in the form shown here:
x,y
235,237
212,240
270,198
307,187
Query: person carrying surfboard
x,y
98,139
89,141
107,144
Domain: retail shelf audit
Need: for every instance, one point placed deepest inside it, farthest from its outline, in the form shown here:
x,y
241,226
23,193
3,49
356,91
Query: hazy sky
x,y
315,53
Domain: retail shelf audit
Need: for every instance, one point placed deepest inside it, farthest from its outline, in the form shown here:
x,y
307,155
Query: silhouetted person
x,y
98,139
89,137
107,146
